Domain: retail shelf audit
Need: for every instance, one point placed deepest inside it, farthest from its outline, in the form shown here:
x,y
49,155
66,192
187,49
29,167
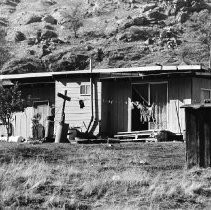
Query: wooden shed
x,y
102,100
198,135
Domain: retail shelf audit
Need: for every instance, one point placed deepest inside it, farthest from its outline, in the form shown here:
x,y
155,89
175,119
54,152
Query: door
x,y
115,96
41,110
158,97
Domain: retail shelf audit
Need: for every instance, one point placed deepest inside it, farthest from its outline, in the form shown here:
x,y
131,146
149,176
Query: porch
x,y
124,99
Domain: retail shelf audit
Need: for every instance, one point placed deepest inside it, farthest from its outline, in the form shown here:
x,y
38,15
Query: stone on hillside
x,y
48,2
182,17
138,33
89,47
189,5
135,34
48,34
24,65
59,15
125,22
24,18
111,30
149,41
49,19
33,19
19,36
140,21
122,36
31,41
69,61
156,15
48,27
148,7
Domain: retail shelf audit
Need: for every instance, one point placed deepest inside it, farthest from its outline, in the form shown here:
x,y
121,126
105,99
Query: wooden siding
x,y
116,95
21,124
179,93
74,115
115,112
197,85
22,121
198,137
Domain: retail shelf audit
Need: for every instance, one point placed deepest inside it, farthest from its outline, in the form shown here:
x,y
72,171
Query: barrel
x,y
61,133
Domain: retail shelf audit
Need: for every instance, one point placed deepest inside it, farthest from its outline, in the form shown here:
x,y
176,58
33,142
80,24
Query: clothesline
x,y
147,113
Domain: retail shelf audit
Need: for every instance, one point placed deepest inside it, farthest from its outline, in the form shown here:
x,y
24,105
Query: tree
x,y
74,20
10,102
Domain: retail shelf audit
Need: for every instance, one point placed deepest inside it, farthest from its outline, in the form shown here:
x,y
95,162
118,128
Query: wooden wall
x,y
179,93
22,121
197,85
198,134
75,116
116,96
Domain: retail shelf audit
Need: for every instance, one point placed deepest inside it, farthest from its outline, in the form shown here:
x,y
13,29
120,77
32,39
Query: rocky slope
x,y
116,33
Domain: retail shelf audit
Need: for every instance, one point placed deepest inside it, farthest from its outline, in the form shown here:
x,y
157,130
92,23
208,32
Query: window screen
x,y
85,90
205,94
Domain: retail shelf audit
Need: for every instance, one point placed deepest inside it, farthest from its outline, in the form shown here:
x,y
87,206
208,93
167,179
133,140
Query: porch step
x,y
139,140
142,131
146,135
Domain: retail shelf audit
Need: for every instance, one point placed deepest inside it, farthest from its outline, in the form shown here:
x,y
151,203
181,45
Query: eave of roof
x,y
145,70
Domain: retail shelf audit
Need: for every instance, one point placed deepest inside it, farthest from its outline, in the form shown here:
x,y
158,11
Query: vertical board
x,y
179,93
158,96
191,139
22,123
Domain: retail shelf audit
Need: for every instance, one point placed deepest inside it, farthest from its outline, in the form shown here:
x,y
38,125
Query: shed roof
x,y
145,70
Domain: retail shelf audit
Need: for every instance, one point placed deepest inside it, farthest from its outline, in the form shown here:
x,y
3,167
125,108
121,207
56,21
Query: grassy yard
x,y
122,176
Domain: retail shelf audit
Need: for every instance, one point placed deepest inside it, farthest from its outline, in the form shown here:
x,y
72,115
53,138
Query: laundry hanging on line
x,y
147,113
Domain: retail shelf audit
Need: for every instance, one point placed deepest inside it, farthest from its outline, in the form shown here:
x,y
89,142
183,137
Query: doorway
x,y
149,95
139,94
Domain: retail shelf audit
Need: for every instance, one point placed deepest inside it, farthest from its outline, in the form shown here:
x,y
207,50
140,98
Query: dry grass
x,y
126,176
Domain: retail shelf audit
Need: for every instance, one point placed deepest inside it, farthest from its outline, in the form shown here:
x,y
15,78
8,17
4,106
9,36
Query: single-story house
x,y
107,101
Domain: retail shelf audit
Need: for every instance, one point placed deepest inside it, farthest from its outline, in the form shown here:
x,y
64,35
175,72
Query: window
x,y
85,90
205,94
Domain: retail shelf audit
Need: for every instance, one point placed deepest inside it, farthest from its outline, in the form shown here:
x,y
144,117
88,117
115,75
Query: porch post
x,y
129,115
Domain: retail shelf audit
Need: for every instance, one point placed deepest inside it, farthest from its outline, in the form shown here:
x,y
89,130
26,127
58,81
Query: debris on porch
x,y
148,136
138,136
165,135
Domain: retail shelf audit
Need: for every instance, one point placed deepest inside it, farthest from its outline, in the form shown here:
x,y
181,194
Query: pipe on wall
x,y
91,97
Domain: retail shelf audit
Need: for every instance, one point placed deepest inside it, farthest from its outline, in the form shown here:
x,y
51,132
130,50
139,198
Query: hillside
x,y
116,33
